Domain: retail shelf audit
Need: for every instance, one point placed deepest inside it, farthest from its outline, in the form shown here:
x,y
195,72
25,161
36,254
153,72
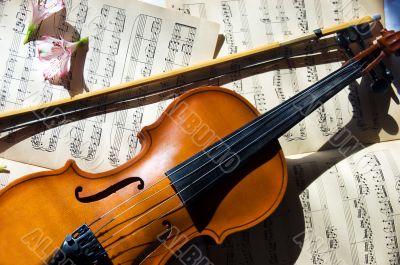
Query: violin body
x,y
184,183
134,203
39,210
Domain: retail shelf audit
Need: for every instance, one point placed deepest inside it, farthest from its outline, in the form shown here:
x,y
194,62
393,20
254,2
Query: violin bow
x,y
166,85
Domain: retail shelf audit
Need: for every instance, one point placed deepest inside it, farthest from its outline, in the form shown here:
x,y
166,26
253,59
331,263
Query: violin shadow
x,y
280,239
393,62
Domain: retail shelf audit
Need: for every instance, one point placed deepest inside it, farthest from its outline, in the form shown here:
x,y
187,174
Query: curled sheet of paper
x,y
337,210
247,24
15,170
127,40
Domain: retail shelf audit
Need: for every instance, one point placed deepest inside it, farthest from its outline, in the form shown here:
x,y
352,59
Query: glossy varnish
x,y
39,210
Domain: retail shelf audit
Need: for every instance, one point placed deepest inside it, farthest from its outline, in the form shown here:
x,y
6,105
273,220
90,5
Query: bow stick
x,y
161,86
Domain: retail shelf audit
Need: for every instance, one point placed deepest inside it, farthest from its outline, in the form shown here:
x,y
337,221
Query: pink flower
x,y
41,9
56,55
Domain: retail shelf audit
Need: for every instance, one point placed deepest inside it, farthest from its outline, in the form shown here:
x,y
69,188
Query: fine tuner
x,y
202,165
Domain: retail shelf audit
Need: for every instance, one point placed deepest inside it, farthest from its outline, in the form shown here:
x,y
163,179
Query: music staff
x,y
91,130
3,4
283,18
48,140
238,37
230,37
371,169
142,48
300,131
100,72
196,9
359,169
330,117
18,67
323,246
180,46
76,16
179,51
350,224
330,230
106,42
125,143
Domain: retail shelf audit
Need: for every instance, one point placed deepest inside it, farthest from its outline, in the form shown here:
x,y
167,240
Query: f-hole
x,y
110,190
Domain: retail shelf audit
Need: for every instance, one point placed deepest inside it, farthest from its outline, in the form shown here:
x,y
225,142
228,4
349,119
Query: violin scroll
x,y
390,42
386,45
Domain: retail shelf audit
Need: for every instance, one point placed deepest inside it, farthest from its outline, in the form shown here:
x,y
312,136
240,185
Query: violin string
x,y
185,177
151,210
170,185
119,241
182,166
129,199
174,195
152,195
162,179
192,196
241,150
129,209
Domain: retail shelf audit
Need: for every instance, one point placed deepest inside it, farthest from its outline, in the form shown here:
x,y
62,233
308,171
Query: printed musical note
x,y
17,67
125,143
341,225
284,78
105,46
48,140
3,4
246,24
143,45
197,9
330,117
127,40
180,46
126,123
179,52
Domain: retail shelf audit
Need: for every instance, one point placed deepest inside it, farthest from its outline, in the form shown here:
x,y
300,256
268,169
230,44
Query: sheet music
x,y
351,213
247,24
127,40
15,170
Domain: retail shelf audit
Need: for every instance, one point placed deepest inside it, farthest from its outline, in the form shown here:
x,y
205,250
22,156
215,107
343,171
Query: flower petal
x,y
65,65
56,55
42,9
49,48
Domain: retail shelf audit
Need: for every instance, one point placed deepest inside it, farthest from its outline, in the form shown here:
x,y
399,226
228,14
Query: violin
x,y
211,165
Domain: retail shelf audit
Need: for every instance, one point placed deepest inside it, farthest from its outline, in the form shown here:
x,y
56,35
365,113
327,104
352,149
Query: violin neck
x,y
231,156
282,118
